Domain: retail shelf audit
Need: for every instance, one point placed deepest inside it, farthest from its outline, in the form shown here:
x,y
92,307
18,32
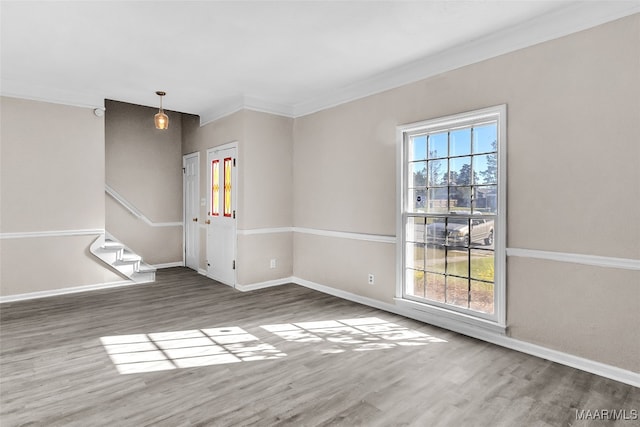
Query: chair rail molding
x,y
51,233
594,260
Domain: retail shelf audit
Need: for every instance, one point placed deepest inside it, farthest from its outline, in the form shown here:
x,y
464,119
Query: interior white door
x,y
221,215
191,191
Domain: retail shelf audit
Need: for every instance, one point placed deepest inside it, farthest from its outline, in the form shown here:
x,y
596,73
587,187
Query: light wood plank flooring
x,y
279,356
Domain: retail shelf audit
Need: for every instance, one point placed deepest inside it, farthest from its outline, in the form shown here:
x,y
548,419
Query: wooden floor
x,y
189,351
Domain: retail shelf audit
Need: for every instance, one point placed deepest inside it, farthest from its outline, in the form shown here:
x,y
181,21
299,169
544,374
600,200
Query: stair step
x,y
112,246
128,257
143,277
146,268
122,259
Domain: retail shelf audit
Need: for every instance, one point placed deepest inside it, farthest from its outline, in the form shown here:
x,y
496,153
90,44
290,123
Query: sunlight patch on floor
x,y
160,351
185,349
369,333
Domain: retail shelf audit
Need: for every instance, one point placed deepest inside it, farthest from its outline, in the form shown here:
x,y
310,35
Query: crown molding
x,y
235,104
15,89
575,17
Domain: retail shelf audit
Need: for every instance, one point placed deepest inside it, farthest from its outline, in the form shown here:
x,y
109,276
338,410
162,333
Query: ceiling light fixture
x,y
161,119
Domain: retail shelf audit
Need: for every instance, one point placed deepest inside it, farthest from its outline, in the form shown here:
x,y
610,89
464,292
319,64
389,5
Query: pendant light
x,y
161,119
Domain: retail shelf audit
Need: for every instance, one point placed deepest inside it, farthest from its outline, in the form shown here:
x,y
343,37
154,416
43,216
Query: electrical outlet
x,y
371,279
272,264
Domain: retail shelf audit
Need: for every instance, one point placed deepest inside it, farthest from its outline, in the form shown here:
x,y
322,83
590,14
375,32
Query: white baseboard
x,y
71,290
266,284
168,265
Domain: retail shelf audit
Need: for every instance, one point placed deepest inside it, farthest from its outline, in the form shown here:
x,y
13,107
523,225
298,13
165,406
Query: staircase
x,y
122,259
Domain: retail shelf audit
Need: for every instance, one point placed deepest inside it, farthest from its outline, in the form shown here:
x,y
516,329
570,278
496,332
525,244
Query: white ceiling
x,y
288,57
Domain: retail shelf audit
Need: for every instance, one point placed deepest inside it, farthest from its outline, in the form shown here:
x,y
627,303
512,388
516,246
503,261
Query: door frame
x,y
235,179
184,209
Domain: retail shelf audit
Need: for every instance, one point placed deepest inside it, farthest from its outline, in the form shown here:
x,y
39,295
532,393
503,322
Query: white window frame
x,y
451,316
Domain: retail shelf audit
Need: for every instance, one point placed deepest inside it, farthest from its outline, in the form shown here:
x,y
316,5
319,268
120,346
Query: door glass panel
x,y
215,188
227,186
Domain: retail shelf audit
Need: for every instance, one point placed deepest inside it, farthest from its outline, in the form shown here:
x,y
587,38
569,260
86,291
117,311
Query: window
x,y
452,246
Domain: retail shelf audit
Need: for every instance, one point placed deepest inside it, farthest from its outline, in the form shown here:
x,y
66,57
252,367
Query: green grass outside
x,y
482,267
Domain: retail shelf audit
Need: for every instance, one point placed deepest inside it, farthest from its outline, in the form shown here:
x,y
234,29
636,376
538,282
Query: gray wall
x,y
144,165
573,185
52,182
264,188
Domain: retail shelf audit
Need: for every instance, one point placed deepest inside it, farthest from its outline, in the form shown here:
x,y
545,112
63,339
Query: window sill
x,y
448,319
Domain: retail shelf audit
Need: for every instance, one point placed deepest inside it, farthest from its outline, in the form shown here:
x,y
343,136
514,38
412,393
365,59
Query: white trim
x,y
380,238
238,103
31,92
71,290
449,319
222,110
135,212
577,362
266,284
53,233
168,265
274,230
595,260
203,272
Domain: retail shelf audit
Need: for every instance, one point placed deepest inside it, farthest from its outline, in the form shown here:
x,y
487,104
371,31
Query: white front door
x,y
221,214
191,191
